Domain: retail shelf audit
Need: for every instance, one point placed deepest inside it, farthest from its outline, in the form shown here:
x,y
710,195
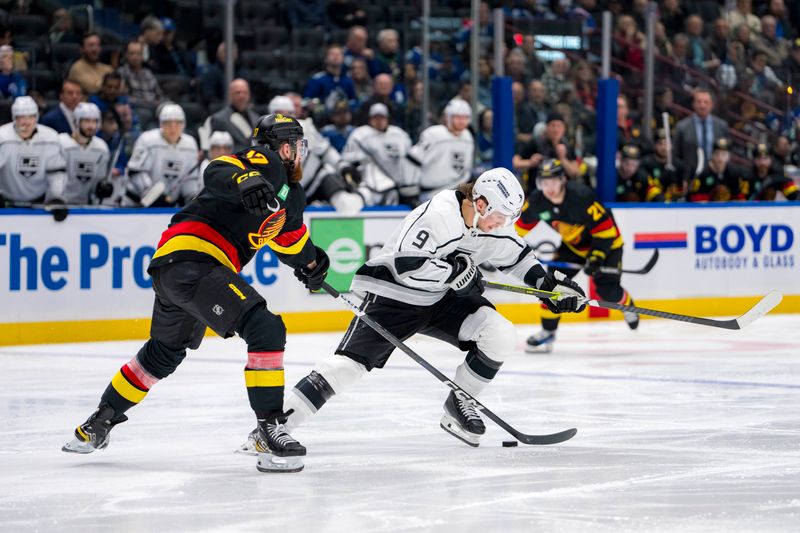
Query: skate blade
x,y
270,463
77,446
542,348
451,426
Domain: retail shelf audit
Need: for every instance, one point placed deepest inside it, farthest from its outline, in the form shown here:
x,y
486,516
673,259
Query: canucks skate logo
x,y
459,161
268,230
172,168
28,165
84,170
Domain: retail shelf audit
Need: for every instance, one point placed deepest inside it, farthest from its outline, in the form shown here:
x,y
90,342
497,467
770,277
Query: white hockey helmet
x,y
502,192
171,112
457,107
220,138
281,104
86,110
24,106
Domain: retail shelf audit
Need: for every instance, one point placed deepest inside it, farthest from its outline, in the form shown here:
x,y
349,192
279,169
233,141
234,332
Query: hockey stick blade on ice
x,y
764,306
553,438
606,269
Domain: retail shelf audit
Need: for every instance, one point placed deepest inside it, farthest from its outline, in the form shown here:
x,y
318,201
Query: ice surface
x,y
680,428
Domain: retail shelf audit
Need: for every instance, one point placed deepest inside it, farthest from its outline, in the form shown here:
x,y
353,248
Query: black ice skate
x,y
632,319
277,450
462,420
94,433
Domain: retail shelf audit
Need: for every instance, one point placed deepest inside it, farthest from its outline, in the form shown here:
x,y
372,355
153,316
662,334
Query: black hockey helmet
x,y
275,129
550,169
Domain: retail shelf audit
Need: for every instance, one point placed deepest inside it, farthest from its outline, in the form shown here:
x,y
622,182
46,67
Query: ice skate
x,y
277,450
94,433
541,342
462,420
248,447
632,319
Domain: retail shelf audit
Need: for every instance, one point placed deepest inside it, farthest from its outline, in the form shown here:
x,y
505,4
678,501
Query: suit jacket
x,y
55,119
685,144
221,121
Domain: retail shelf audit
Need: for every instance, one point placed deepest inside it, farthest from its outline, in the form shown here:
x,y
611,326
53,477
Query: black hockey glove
x,y
104,189
313,278
593,262
465,279
258,195
58,210
570,292
352,177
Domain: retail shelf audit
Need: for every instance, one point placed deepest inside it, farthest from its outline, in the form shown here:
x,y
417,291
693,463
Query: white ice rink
x,y
680,428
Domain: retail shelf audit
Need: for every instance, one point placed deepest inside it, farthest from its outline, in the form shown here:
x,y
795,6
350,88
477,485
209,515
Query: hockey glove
x,y
313,278
58,210
593,262
352,177
258,195
104,189
570,293
465,279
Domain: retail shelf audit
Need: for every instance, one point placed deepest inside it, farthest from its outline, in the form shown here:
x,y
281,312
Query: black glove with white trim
x,y
313,278
465,279
258,195
571,292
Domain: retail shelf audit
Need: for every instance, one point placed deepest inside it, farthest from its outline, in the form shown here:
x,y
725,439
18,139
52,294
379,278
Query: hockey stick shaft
x,y
458,391
607,269
764,306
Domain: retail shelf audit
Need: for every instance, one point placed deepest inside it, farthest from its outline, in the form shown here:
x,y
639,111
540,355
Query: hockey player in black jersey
x,y
634,184
589,235
766,179
250,200
657,164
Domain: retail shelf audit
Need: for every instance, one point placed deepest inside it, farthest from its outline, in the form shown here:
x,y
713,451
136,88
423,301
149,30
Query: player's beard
x,y
296,174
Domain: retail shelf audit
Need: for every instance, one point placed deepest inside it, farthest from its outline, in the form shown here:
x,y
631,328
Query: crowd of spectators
x,y
728,80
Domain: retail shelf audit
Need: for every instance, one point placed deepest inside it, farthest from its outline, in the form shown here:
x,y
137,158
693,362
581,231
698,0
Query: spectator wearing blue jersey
x,y
340,127
11,83
331,84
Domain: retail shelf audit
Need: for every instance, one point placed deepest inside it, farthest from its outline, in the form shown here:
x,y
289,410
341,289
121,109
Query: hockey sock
x,y
263,376
476,372
129,386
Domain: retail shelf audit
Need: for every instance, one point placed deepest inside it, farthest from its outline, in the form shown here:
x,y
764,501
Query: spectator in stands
x,y
151,32
700,56
237,118
537,98
484,140
62,31
516,67
61,118
551,145
776,48
783,154
143,89
485,71
629,130
110,133
662,41
783,26
356,46
12,84
340,127
766,83
306,14
524,120
663,103
675,72
110,95
791,67
585,83
346,13
672,16
743,14
212,82
533,67
743,36
331,84
695,134
169,57
88,70
413,112
717,42
383,92
388,57
555,80
362,82
486,36
628,46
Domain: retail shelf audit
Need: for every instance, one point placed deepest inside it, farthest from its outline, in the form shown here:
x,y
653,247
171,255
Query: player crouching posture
x,y
250,200
425,280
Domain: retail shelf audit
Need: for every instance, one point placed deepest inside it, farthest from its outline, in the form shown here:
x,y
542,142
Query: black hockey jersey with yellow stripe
x,y
215,226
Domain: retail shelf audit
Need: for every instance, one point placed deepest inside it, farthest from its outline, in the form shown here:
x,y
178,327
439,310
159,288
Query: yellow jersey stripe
x,y
263,378
289,250
231,160
126,390
192,243
609,233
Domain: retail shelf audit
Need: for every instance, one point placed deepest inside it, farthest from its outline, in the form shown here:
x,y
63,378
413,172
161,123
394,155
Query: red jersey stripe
x,y
205,232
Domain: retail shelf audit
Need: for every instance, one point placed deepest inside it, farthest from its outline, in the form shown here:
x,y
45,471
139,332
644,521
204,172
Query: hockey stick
x,y
462,395
607,269
764,306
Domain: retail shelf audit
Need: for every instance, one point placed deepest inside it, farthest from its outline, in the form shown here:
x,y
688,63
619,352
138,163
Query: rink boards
x,y
86,278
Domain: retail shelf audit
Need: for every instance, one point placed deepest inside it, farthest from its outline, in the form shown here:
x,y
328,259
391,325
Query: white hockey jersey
x,y
411,266
154,159
32,169
383,164
322,159
86,166
446,159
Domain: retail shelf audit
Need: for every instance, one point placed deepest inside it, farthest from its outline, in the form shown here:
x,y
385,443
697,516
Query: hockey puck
x,y
509,443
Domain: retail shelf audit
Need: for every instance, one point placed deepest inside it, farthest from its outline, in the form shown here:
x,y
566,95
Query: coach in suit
x,y
60,118
237,118
696,133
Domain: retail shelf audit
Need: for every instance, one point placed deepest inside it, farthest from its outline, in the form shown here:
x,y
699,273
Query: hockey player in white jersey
x,y
378,150
219,143
87,159
163,168
322,180
32,167
445,153
425,280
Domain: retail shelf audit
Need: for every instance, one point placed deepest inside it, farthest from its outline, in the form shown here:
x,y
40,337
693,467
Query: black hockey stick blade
x,y
553,438
607,269
764,306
